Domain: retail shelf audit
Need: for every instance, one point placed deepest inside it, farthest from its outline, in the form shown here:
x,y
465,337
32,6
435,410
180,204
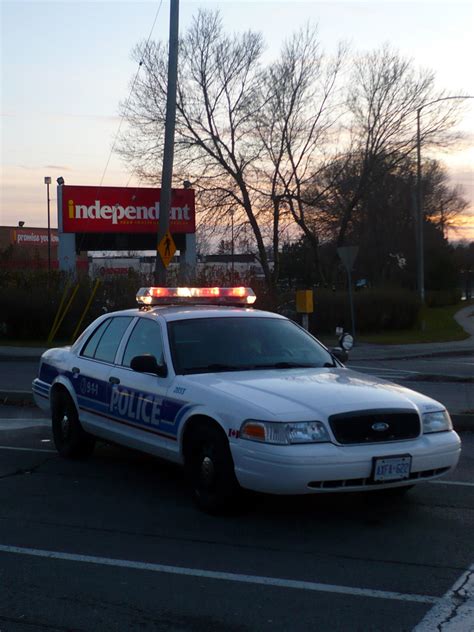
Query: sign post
x,y
348,255
304,306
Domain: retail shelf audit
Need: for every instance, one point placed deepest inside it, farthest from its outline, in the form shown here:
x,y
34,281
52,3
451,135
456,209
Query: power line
x,y
129,96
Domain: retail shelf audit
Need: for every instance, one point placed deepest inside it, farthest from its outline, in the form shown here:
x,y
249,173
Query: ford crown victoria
x,y
244,399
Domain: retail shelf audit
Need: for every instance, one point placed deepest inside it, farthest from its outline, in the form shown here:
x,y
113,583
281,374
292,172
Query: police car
x,y
244,399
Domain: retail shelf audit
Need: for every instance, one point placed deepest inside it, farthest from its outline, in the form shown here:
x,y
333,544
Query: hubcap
x,y
65,425
207,470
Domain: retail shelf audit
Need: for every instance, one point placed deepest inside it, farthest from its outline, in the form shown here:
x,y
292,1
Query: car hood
x,y
310,393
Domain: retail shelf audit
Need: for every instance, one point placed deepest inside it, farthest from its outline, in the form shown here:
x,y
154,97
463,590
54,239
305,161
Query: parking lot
x,y
114,543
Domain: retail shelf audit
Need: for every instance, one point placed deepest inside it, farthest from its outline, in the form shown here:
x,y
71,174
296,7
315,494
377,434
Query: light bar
x,y
196,295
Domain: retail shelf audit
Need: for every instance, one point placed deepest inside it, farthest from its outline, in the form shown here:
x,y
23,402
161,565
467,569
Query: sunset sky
x,y
65,66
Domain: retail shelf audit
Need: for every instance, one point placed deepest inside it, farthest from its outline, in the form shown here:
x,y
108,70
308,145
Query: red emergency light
x,y
196,295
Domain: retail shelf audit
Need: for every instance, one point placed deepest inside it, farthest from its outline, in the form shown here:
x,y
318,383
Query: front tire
x,y
210,469
70,439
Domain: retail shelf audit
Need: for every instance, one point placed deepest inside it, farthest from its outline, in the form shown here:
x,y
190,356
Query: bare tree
x,y
218,95
286,145
297,126
385,92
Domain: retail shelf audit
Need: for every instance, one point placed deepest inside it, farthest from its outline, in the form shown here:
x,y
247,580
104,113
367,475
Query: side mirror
x,y
346,341
147,363
340,354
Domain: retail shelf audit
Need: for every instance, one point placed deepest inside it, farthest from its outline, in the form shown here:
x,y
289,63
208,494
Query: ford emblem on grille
x,y
380,426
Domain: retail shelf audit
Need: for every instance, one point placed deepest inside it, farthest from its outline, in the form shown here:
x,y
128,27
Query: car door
x,y
144,417
91,367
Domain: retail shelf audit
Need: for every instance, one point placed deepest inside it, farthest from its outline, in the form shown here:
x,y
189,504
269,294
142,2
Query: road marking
x,y
455,611
9,447
233,577
460,483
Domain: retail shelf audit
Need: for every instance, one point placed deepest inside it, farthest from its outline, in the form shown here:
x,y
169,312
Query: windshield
x,y
207,345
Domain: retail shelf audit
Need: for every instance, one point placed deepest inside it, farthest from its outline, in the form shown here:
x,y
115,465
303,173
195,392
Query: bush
x,y
440,298
375,310
29,302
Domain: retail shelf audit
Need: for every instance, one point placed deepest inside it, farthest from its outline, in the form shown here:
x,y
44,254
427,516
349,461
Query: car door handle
x,y
114,380
75,370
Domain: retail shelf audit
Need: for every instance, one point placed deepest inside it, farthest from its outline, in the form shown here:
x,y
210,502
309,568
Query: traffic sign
x,y
167,248
347,255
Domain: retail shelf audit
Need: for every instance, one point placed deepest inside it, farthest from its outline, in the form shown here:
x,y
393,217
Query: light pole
x,y
419,196
47,181
232,245
168,152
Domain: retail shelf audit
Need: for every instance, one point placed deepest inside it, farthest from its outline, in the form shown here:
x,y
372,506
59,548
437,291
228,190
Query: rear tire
x,y
70,439
210,470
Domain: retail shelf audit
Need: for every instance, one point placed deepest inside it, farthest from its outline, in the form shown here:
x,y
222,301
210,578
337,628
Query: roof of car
x,y
183,312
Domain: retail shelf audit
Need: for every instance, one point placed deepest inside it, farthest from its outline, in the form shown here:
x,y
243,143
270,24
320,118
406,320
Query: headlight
x,y
438,421
282,433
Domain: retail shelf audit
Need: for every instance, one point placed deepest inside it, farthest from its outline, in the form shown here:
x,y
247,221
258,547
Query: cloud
x,y
57,167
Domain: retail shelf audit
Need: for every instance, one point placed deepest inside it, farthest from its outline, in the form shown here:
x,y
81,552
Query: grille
x,y
368,482
361,427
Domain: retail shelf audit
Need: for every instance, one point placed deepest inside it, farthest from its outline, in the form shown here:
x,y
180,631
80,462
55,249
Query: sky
x,y
66,66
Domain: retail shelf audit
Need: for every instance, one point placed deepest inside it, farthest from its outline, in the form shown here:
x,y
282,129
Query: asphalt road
x,y
114,543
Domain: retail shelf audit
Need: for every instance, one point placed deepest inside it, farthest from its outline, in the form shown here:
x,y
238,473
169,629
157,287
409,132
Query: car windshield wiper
x,y
286,365
213,368
216,367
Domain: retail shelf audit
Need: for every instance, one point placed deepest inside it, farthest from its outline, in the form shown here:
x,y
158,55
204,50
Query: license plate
x,y
392,468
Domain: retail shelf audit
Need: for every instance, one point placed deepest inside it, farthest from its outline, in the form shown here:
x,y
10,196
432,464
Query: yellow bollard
x,y
54,331
91,298
58,313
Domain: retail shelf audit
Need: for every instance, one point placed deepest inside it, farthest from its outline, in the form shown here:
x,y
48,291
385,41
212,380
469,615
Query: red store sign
x,y
124,210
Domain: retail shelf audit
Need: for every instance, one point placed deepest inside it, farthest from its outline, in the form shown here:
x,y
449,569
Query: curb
x,y
17,398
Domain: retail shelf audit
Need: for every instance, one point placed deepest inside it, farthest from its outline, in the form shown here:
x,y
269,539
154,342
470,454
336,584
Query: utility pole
x,y
167,172
47,181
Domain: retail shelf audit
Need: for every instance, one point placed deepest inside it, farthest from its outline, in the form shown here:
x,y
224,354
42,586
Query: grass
x,y
436,324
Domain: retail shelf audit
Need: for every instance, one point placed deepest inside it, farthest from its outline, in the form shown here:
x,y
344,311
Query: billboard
x,y
87,209
32,237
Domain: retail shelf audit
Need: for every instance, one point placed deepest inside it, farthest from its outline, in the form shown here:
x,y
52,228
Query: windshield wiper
x,y
286,365
213,368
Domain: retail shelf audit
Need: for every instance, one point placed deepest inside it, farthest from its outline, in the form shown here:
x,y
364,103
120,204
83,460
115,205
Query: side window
x,y
90,348
110,340
145,338
104,342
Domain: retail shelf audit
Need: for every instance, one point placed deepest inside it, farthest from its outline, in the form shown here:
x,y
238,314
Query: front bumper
x,y
326,467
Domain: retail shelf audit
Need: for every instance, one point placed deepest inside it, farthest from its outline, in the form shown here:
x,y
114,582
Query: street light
x,y
47,181
232,211
419,195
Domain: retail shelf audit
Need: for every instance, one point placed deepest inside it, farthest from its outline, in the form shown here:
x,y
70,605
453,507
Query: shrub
x,y
440,298
29,302
375,310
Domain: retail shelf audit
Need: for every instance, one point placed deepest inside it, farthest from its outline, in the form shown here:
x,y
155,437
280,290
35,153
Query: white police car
x,y
243,398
